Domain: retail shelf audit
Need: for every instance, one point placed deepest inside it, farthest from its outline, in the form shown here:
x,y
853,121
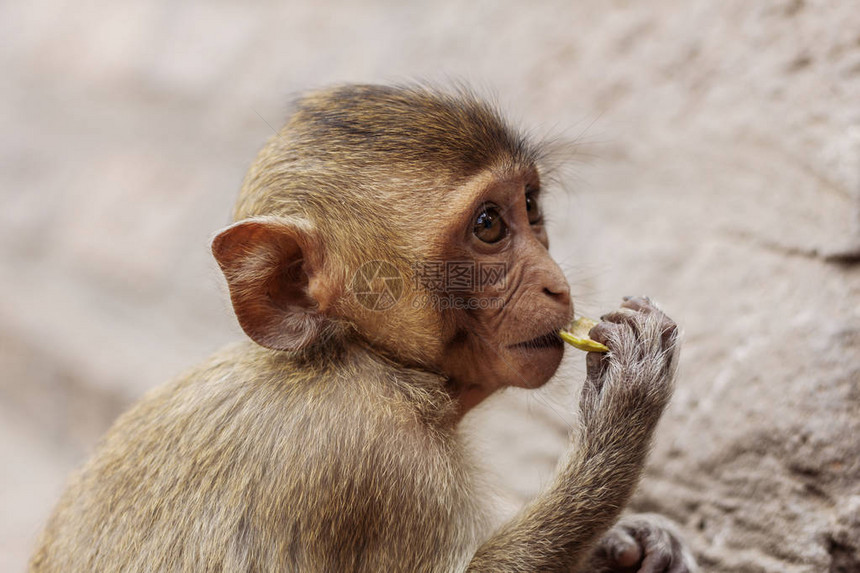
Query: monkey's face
x,y
504,299
484,305
365,186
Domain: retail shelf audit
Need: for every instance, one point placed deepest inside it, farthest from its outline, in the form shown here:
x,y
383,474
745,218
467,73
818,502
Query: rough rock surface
x,y
718,170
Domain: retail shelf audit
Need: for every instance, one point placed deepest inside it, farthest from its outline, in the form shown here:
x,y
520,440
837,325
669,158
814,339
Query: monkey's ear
x,y
273,272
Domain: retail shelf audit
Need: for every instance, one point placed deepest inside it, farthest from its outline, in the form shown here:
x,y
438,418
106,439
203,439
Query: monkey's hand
x,y
642,543
627,388
622,400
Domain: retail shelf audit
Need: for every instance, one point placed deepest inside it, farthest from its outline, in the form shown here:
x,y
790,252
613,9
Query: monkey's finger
x,y
639,303
604,332
668,333
608,332
595,368
622,548
622,316
644,304
656,562
679,561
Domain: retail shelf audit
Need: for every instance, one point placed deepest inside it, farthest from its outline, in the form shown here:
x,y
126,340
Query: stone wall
x,y
718,170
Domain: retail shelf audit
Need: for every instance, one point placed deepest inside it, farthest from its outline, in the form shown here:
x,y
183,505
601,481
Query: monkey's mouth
x,y
548,340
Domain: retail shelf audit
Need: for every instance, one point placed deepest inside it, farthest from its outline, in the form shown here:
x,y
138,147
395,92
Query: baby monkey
x,y
329,442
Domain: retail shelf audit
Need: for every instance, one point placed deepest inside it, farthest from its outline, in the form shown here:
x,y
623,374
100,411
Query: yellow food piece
x,y
577,335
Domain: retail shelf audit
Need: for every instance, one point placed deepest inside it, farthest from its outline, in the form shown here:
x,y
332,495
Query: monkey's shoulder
x,y
248,404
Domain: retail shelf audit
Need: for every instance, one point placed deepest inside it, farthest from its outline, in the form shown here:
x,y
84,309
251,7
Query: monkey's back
x,y
193,476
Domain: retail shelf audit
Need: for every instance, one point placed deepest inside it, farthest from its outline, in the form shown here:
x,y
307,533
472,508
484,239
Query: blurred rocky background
x,y
717,170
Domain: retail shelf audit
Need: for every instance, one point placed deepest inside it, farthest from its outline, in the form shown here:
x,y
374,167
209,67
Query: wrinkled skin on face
x,y
506,334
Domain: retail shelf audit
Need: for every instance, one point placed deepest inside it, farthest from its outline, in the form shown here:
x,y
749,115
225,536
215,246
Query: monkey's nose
x,y
559,293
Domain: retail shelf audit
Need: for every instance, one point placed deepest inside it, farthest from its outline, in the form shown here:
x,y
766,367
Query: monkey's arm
x,y
622,400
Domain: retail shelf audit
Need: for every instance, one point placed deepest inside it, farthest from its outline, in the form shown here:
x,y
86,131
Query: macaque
x,y
329,441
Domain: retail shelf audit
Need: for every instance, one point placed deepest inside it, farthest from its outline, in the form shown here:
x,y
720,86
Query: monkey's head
x,y
406,220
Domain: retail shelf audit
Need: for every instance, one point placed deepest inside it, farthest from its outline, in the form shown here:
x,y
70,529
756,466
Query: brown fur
x,y
332,444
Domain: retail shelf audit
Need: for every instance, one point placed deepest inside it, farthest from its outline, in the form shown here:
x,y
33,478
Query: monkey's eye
x,y
533,209
489,225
